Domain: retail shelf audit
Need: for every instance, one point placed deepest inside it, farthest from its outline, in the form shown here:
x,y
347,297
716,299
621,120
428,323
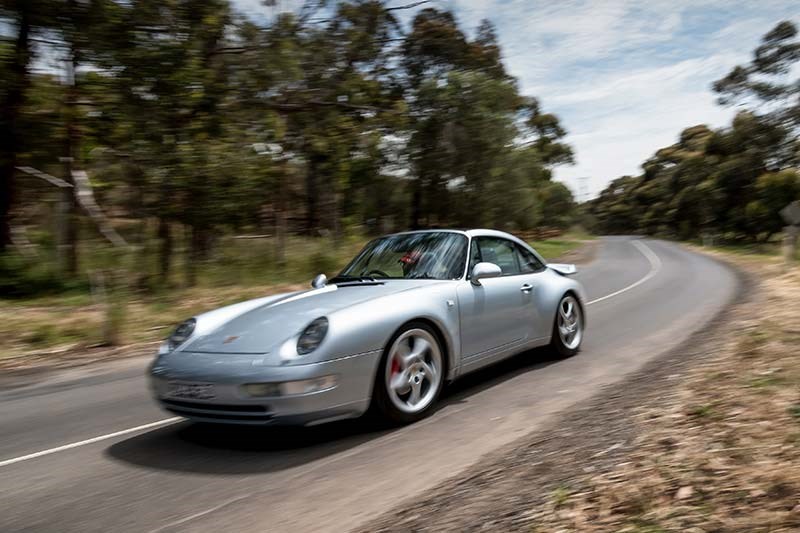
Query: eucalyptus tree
x,y
708,182
769,86
66,31
433,49
165,78
25,17
349,73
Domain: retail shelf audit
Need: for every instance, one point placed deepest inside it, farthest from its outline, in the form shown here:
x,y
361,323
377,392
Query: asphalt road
x,y
75,457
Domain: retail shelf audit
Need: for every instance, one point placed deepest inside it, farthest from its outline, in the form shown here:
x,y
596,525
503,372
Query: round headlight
x,y
181,333
312,336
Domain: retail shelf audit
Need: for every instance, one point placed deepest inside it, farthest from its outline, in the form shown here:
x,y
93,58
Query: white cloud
x,y
625,77
622,118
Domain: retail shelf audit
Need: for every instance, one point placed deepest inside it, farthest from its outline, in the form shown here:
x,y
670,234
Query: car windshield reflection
x,y
423,255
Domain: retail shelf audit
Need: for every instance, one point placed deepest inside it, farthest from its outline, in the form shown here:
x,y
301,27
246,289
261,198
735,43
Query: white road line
x,y
181,521
151,425
655,266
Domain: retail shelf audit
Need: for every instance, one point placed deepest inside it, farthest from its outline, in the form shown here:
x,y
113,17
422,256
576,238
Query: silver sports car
x,y
411,312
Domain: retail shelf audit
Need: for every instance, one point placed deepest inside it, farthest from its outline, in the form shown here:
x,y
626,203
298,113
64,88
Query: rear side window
x,y
528,262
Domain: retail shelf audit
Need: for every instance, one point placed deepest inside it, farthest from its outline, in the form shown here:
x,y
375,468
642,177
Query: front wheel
x,y
567,327
411,374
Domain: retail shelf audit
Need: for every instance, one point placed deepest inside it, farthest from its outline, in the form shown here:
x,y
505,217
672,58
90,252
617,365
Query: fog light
x,y
290,388
307,386
261,389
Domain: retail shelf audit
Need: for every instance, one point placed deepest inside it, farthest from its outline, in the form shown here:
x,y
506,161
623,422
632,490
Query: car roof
x,y
480,232
471,232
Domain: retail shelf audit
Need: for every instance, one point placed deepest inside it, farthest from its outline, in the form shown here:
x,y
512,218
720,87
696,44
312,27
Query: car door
x,y
532,274
495,315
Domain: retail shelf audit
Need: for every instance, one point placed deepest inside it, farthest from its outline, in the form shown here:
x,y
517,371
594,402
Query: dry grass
x,y
59,330
64,332
721,452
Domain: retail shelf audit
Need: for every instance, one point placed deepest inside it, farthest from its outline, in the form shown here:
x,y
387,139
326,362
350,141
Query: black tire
x,y
557,344
383,406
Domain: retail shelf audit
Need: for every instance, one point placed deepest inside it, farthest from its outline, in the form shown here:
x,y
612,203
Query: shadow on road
x,y
223,449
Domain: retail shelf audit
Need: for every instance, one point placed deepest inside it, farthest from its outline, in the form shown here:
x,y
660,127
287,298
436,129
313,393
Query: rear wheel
x,y
567,327
411,374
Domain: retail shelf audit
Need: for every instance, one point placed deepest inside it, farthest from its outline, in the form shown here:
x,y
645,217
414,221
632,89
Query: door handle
x,y
526,288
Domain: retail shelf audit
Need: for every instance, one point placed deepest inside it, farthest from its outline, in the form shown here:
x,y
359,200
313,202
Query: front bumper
x,y
229,404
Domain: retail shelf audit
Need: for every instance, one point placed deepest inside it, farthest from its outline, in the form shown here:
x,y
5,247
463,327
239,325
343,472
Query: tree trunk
x,y
416,203
165,249
68,236
135,176
193,250
9,116
206,243
312,195
280,216
69,242
331,219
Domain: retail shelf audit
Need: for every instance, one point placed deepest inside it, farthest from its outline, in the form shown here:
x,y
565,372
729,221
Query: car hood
x,y
258,330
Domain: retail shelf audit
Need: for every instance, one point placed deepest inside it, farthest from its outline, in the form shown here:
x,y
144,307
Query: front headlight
x,y
312,336
181,334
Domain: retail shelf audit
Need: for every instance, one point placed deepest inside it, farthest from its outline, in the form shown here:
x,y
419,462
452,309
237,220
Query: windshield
x,y
424,255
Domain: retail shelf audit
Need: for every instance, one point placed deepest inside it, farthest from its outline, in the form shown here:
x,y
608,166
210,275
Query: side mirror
x,y
483,271
319,281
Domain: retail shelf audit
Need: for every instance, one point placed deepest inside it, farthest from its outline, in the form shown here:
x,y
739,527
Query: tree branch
x,y
408,6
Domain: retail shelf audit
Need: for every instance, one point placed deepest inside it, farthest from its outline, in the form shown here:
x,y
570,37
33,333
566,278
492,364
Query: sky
x,y
624,76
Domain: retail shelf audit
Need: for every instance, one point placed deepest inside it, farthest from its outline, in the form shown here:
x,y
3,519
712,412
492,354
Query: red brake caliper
x,y
395,366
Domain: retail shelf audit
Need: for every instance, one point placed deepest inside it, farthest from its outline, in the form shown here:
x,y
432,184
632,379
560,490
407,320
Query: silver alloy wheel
x,y
570,322
413,371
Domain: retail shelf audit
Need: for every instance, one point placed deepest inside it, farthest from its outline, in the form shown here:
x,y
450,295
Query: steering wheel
x,y
380,273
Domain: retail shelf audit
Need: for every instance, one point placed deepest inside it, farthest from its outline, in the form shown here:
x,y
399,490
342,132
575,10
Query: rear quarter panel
x,y
553,288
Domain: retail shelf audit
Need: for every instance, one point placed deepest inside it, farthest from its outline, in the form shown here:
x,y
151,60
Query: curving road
x,y
87,450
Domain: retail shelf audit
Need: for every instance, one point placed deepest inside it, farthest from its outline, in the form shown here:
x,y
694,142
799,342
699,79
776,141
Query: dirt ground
x,y
704,440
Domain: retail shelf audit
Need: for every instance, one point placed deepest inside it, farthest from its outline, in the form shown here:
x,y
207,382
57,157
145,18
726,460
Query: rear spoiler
x,y
565,269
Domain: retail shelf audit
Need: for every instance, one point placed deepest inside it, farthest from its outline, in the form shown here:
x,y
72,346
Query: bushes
x,y
322,263
22,277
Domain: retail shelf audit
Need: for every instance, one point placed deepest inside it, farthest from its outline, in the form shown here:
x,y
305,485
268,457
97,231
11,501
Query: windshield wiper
x,y
341,279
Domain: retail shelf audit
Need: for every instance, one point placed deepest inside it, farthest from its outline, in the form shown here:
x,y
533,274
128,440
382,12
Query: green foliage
x,y
771,85
323,263
21,277
560,495
471,129
718,182
557,204
195,123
